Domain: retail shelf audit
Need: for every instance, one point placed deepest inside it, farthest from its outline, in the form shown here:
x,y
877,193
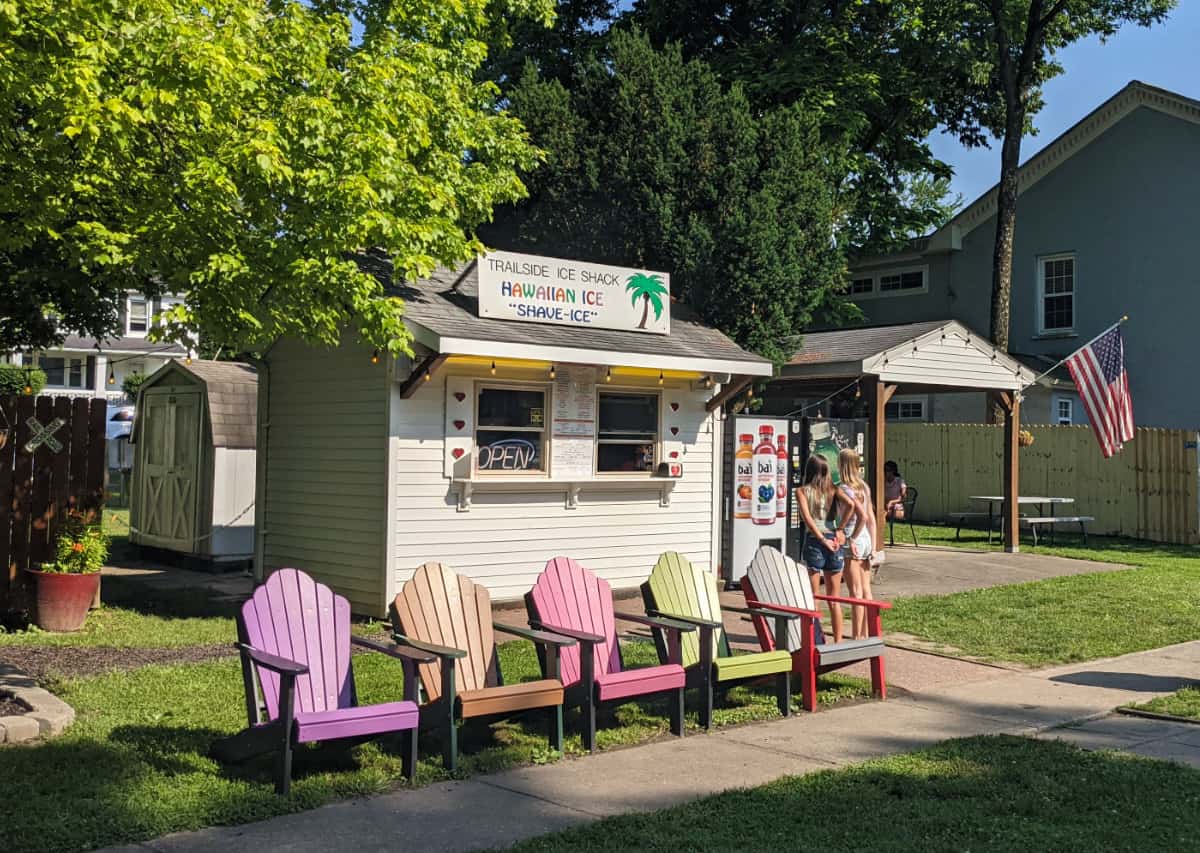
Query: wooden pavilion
x,y
914,358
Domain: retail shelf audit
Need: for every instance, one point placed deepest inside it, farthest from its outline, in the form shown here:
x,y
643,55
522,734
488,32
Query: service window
x,y
510,432
627,434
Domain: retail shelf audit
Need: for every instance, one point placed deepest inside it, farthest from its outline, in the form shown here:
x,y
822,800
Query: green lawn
x,y
1183,703
1062,620
134,765
980,794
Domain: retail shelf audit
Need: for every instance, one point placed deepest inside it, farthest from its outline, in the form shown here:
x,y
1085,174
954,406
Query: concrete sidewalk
x,y
498,810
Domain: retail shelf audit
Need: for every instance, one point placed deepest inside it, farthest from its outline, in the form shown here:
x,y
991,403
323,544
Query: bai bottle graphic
x,y
781,473
743,476
765,463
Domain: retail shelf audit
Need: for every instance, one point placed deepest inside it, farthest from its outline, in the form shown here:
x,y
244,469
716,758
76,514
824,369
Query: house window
x,y
136,309
63,372
511,432
1056,285
905,410
907,280
1064,410
627,435
859,286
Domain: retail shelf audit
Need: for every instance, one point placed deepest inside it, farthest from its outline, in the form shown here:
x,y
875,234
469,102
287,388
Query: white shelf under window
x,y
465,488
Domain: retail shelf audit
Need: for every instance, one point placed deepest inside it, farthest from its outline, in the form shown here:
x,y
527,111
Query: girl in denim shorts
x,y
823,508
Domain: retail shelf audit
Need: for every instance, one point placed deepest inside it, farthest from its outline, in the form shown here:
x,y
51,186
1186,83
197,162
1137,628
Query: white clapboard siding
x,y
507,536
950,356
326,475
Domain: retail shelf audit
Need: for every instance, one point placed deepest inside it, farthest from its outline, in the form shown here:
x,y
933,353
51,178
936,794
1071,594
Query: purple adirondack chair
x,y
295,641
569,600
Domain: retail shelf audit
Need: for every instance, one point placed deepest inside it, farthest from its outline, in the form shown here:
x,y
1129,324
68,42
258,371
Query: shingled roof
x,y
856,344
232,391
447,304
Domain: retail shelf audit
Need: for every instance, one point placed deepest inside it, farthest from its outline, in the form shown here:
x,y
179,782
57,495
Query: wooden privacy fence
x,y
1148,491
51,461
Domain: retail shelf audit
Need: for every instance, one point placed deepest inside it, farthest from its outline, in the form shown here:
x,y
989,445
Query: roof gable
x,y
1087,130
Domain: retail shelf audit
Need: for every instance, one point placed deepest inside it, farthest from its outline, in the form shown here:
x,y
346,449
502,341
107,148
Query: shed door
x,y
171,460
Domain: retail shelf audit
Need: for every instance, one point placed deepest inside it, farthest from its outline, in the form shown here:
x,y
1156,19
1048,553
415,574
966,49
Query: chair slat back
x,y
439,606
294,617
776,578
568,595
676,586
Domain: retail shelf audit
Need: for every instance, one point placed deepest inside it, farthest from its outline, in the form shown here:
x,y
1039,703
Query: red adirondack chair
x,y
569,600
294,637
776,581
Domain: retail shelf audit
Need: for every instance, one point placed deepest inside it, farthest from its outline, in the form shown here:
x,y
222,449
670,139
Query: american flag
x,y
1099,373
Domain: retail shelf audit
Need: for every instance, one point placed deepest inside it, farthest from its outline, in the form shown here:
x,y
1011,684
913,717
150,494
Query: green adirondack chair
x,y
678,590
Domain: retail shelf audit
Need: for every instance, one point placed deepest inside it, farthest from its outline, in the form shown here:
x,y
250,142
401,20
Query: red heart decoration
x,y
674,454
674,407
459,424
674,430
457,452
460,396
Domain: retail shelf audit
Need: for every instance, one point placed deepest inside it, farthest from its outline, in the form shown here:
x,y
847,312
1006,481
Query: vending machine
x,y
764,468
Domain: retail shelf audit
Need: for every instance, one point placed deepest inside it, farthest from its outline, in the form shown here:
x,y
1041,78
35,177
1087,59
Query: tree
x,y
651,162
1017,42
237,151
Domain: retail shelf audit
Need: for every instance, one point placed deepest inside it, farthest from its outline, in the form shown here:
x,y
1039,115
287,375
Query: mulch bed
x,y
45,662
11,707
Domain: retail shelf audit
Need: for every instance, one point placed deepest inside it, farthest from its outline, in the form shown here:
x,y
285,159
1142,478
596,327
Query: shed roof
x,y
933,354
232,391
445,309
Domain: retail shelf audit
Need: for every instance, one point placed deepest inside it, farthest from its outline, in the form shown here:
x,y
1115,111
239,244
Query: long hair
x,y
850,469
817,476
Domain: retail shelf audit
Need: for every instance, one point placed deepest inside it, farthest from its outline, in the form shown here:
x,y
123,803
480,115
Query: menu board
x,y
573,425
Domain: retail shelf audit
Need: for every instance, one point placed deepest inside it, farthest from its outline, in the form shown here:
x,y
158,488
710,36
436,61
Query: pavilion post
x,y
878,393
1010,512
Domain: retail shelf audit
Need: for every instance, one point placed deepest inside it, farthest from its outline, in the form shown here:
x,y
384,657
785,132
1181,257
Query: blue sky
x,y
1167,55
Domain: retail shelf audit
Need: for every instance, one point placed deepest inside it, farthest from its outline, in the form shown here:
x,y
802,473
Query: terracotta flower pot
x,y
63,600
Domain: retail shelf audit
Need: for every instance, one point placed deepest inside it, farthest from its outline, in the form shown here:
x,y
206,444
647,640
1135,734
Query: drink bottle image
x,y
743,476
765,481
781,473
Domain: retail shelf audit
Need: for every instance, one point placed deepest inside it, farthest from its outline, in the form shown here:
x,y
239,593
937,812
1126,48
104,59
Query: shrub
x,y
14,379
132,383
82,546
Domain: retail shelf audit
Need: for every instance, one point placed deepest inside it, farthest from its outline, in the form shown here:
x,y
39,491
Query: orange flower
x,y
77,547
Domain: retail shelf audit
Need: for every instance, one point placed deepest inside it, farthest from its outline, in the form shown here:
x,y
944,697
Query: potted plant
x,y
67,586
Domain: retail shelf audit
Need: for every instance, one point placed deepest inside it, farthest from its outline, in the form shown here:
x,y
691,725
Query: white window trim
x,y
1055,402
898,399
876,293
1039,306
547,390
129,331
658,437
67,358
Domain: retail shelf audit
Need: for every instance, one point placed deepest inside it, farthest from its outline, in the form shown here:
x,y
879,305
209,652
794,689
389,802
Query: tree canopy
x,y
652,161
237,151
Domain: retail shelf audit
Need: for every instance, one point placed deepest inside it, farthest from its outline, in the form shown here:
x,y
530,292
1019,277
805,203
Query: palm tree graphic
x,y
649,289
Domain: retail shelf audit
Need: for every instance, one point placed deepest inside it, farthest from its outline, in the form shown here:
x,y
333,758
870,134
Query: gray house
x,y
1106,225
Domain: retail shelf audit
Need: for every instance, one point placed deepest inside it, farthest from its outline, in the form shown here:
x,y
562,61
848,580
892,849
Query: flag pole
x,y
1054,366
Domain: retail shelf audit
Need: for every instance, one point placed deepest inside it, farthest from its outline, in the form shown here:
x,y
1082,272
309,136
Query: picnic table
x,y
1041,519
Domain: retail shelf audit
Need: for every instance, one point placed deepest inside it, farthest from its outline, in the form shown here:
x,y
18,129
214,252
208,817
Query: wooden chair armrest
x,y
545,638
783,608
761,610
283,666
430,648
861,602
394,650
691,620
581,636
666,623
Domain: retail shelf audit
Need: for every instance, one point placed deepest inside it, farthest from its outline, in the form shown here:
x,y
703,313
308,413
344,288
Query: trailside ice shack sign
x,y
573,293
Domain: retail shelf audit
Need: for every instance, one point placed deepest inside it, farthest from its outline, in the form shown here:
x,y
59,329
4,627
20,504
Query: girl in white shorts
x,y
859,548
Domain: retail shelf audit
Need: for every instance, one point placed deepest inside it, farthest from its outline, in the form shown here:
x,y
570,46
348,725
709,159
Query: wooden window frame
x,y
544,450
1040,304
658,431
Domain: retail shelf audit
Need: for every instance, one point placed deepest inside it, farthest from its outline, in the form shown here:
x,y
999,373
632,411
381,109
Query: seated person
x,y
894,491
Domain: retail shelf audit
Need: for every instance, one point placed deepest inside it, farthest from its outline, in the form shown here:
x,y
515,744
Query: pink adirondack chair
x,y
569,600
294,637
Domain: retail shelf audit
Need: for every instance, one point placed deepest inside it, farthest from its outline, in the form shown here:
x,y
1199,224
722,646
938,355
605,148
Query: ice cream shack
x,y
552,407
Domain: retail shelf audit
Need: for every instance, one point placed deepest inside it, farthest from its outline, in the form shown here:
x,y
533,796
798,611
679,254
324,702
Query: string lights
x,y
660,377
493,368
375,357
608,375
553,372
